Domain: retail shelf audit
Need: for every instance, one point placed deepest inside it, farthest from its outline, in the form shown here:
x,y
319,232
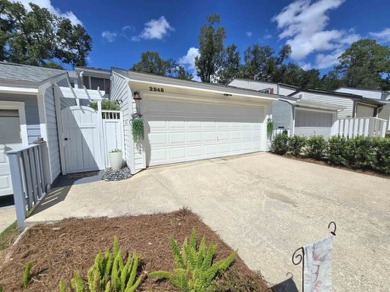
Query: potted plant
x,y
115,158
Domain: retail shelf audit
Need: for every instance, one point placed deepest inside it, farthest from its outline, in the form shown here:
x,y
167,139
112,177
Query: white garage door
x,y
182,131
9,139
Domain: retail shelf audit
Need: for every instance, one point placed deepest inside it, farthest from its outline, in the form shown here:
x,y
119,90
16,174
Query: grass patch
x,y
8,236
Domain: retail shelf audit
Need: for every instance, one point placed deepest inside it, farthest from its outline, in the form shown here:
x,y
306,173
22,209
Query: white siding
x,y
282,115
285,91
332,100
52,134
120,90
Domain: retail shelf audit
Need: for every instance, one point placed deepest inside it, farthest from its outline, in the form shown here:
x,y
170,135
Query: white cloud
x,y
249,34
325,61
306,66
267,36
383,35
49,6
189,59
303,25
109,36
156,29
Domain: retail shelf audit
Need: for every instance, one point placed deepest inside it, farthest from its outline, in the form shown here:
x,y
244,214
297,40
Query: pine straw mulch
x,y
57,250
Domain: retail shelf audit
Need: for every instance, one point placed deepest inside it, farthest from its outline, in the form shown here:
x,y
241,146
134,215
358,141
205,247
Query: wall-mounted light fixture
x,y
137,95
119,101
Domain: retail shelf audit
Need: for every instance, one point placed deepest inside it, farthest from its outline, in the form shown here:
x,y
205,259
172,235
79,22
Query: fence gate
x,y
82,135
112,132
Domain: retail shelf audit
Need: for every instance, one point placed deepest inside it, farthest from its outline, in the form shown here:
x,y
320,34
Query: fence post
x,y
17,184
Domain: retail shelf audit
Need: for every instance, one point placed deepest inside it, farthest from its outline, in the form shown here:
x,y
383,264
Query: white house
x,y
382,97
187,120
311,112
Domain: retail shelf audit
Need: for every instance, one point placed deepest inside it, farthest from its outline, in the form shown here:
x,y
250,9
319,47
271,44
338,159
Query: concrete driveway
x,y
266,206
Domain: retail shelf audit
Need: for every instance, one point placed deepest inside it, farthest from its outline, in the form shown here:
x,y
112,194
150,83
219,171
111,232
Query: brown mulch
x,y
57,250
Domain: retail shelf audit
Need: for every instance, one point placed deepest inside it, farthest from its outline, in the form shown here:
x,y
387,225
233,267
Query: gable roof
x,y
19,74
190,84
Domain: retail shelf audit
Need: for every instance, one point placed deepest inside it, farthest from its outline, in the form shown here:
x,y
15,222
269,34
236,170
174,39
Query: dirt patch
x,y
57,250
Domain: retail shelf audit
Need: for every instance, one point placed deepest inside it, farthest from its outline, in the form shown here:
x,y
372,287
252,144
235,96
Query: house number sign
x,y
157,89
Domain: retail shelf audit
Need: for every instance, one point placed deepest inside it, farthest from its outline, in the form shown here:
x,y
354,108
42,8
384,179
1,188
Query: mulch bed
x,y
57,250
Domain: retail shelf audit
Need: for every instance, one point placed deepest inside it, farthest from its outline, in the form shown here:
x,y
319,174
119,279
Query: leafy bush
x,y
280,144
194,268
270,127
107,104
337,152
315,147
109,273
138,129
382,155
296,144
362,154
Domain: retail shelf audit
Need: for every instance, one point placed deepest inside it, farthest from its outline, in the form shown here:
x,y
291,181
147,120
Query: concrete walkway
x,y
266,206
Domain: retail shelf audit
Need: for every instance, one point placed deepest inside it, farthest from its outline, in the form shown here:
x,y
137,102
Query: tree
x,y
38,37
152,63
365,64
211,48
231,67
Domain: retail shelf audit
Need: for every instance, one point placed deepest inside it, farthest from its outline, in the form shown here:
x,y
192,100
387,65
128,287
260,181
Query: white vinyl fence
x,y
352,127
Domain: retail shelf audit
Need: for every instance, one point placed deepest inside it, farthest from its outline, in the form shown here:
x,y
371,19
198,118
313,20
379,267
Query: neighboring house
x,y
27,113
311,112
381,97
187,120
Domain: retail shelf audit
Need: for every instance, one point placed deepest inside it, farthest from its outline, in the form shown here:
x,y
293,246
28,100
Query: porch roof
x,y
25,75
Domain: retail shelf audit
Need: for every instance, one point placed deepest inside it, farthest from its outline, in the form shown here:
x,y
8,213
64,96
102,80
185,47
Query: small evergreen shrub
x,y
194,267
315,147
362,152
270,127
109,273
138,129
280,144
296,144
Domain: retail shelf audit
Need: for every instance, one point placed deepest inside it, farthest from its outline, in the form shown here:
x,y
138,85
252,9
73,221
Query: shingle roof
x,y
25,74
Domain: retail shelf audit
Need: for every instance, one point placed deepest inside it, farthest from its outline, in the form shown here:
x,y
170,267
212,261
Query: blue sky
x,y
318,31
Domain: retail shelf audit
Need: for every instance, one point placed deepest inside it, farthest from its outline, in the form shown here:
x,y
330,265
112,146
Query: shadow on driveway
x,y
62,186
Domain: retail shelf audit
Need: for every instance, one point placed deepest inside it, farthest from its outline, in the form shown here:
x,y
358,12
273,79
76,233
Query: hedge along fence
x,y
358,153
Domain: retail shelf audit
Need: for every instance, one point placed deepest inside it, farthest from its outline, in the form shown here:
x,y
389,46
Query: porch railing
x,y
28,178
352,127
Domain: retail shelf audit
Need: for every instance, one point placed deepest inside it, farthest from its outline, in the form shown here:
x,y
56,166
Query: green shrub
x,y
382,155
270,127
362,152
315,147
337,151
107,104
138,129
280,144
194,267
296,144
109,273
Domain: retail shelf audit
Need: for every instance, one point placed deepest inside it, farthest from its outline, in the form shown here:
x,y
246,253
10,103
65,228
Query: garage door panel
x,y
194,137
210,137
158,138
177,138
195,151
182,131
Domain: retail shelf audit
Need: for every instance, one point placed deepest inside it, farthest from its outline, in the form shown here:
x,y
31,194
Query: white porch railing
x,y
28,178
352,127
